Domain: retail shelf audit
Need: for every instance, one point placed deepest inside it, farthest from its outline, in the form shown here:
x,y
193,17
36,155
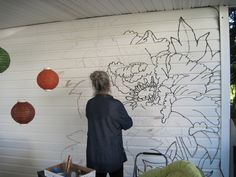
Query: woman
x,y
106,119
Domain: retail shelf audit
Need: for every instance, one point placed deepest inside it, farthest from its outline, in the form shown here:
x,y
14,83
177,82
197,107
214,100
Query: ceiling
x,y
14,13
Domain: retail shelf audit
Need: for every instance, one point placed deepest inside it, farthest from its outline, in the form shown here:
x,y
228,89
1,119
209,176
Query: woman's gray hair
x,y
100,81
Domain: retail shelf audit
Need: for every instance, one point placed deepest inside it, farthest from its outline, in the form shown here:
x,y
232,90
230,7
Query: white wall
x,y
165,67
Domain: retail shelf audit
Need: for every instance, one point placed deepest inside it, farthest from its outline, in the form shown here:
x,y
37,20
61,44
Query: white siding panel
x,y
164,66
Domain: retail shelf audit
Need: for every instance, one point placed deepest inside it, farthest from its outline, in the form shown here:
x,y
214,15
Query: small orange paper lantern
x,y
23,112
48,79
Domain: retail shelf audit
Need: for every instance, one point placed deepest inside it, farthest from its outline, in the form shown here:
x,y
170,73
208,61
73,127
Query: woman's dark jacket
x,y
106,119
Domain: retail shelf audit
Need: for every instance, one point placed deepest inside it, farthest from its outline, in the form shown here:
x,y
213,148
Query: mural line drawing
x,y
169,82
182,79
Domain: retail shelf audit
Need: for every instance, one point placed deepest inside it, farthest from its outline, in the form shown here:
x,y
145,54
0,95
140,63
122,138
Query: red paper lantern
x,y
23,112
48,79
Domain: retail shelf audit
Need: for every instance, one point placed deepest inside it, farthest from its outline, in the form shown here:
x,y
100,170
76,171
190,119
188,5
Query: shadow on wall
x,y
20,158
16,158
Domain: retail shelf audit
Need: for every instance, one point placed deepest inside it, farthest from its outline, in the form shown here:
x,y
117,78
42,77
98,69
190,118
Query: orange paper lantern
x,y
47,79
23,112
